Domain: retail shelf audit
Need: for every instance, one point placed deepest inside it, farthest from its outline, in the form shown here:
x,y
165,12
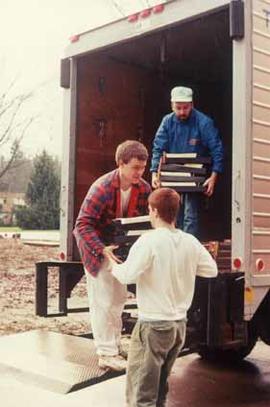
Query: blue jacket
x,y
195,135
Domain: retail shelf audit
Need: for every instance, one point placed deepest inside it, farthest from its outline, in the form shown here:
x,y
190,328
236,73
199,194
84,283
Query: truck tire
x,y
265,334
226,355
230,355
262,319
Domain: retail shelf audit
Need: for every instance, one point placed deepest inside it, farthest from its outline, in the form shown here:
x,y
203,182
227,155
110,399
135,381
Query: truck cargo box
x,y
117,81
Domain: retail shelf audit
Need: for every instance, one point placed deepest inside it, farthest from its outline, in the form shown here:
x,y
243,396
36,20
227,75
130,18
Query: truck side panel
x,y
261,137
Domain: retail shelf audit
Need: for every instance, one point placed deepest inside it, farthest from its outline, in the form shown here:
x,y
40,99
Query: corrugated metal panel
x,y
261,134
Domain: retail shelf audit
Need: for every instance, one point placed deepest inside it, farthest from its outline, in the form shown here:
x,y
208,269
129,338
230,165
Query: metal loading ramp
x,y
56,362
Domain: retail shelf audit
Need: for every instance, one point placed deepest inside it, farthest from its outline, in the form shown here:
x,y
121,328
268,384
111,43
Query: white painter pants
x,y
107,298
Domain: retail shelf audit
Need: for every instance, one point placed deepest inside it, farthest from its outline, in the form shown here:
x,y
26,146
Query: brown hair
x,y
130,149
167,203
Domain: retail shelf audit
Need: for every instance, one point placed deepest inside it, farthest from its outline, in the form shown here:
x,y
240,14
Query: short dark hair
x,y
167,203
131,149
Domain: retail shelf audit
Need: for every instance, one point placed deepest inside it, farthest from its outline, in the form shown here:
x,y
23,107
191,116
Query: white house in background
x,y
8,202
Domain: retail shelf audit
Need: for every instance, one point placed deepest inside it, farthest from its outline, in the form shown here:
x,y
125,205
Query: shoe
x,y
115,363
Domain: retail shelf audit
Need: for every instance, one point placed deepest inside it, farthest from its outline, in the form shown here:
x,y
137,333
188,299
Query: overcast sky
x,y
33,35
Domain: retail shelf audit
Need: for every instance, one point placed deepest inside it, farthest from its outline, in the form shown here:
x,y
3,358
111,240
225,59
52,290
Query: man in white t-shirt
x,y
164,263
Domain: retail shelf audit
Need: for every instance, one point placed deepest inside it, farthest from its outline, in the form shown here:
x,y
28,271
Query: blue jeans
x,y
188,217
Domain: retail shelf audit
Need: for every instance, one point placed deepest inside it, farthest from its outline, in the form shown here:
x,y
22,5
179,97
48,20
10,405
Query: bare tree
x,y
13,126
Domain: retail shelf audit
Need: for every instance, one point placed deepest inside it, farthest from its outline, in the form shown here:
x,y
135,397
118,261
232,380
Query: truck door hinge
x,y
101,128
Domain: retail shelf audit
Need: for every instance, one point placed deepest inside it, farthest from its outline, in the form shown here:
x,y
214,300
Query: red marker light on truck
x,y
133,18
158,9
259,264
237,263
145,13
74,38
62,256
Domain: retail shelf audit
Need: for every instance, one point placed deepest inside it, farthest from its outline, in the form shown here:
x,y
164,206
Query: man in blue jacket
x,y
186,130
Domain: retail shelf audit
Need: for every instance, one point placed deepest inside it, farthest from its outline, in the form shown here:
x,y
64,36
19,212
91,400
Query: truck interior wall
x,y
124,91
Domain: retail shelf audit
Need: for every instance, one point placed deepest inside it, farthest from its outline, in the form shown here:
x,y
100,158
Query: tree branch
x,y
15,150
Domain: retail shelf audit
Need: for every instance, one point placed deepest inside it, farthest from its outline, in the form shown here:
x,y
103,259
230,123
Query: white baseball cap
x,y
181,94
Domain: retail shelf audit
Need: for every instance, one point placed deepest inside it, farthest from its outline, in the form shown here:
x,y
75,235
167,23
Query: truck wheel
x,y
226,355
262,319
265,334
230,355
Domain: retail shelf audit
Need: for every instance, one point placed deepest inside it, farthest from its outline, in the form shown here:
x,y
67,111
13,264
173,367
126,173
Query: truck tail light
x,y
62,256
260,265
237,263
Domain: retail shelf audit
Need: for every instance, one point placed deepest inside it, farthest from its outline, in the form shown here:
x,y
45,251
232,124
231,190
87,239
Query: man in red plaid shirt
x,y
120,193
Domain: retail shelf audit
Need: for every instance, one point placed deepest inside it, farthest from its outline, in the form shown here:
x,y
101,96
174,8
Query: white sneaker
x,y
115,363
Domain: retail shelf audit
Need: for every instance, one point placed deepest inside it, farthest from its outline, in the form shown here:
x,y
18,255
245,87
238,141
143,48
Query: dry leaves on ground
x,y
17,291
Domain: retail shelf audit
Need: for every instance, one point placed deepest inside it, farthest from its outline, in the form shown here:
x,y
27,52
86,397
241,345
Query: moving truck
x,y
117,80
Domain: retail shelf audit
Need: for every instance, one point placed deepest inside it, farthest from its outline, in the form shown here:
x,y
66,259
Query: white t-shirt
x,y
125,196
164,264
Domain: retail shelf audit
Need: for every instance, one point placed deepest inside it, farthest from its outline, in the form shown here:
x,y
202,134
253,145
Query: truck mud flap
x,y
217,310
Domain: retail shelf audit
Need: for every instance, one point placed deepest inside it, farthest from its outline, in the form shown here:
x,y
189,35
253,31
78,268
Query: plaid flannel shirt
x,y
100,206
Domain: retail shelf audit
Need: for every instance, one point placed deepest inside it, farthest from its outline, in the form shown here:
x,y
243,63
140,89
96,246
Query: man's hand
x,y
155,180
108,254
210,184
